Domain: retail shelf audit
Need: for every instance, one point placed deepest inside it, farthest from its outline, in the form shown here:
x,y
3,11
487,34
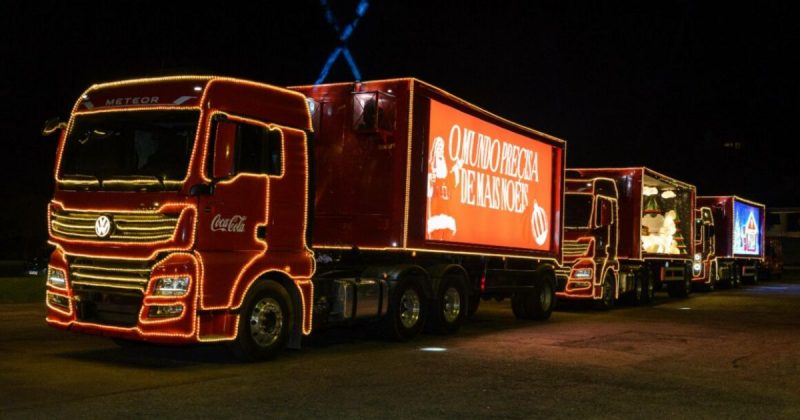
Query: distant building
x,y
783,223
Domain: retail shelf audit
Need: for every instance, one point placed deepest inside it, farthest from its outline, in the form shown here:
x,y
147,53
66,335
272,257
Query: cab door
x,y
245,155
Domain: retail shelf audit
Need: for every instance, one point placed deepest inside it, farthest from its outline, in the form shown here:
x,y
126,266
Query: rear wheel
x,y
681,289
736,277
636,296
648,288
449,312
265,322
474,303
407,310
755,277
535,305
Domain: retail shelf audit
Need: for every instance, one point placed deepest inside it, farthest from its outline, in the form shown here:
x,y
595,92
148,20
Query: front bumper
x,y
98,300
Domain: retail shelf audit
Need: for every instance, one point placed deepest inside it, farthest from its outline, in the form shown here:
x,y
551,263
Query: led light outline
x,y
69,311
705,271
137,329
486,114
145,108
643,170
609,264
259,257
717,261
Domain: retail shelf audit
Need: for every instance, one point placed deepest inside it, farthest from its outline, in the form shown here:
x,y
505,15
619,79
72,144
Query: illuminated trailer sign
x,y
747,229
487,185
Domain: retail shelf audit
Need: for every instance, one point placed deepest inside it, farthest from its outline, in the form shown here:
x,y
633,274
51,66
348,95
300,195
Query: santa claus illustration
x,y
441,225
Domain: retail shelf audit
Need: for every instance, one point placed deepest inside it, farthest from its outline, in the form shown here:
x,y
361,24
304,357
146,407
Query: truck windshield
x,y
143,150
577,210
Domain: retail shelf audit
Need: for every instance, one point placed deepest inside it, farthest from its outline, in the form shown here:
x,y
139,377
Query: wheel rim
x,y
266,322
452,304
409,308
545,297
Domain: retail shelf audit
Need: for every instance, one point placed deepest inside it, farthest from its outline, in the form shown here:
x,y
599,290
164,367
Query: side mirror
x,y
224,148
52,125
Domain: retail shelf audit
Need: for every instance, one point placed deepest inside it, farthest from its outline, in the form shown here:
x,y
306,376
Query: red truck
x,y
733,241
207,209
628,231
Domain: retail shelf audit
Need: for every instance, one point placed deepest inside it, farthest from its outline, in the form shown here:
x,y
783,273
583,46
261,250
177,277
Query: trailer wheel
x,y
474,303
607,300
736,277
755,278
451,298
264,324
636,296
536,305
681,289
407,310
648,287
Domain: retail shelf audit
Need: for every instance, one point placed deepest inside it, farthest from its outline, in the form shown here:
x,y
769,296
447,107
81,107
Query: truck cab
x,y
704,265
591,270
171,196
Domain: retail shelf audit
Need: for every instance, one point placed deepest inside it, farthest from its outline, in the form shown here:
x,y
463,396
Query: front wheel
x,y
606,301
264,324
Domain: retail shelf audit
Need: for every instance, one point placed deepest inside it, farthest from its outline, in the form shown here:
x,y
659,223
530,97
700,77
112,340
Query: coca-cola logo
x,y
230,224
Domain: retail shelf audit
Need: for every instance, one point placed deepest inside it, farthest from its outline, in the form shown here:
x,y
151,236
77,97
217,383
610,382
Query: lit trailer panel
x,y
431,172
738,226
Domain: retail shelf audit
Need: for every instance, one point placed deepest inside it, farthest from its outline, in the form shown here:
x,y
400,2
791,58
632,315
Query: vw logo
x,y
102,226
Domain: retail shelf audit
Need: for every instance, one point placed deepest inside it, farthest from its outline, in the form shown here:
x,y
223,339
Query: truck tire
x,y
736,277
474,303
536,305
606,302
755,277
635,297
407,310
681,289
449,309
265,322
648,286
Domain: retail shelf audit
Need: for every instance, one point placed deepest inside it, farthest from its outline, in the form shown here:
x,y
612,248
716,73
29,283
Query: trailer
x,y
653,238
209,209
737,238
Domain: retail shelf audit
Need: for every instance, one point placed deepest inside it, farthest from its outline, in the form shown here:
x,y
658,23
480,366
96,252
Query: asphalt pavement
x,y
725,354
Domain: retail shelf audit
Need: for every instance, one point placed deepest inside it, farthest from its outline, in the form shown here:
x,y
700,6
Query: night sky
x,y
707,93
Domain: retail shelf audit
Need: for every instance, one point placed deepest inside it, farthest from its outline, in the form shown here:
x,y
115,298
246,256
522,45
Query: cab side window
x,y
258,150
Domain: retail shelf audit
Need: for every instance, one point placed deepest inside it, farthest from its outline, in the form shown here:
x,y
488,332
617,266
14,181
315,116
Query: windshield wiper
x,y
134,182
79,181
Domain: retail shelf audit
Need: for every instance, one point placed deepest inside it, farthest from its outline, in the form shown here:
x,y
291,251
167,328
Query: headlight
x,y
582,273
56,278
697,257
697,267
172,286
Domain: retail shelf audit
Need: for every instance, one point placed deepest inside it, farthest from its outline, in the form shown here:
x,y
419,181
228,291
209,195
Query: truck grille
x,y
575,248
128,227
119,308
106,273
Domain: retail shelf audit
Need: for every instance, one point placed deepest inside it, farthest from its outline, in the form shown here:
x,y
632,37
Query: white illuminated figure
x,y
440,224
661,231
